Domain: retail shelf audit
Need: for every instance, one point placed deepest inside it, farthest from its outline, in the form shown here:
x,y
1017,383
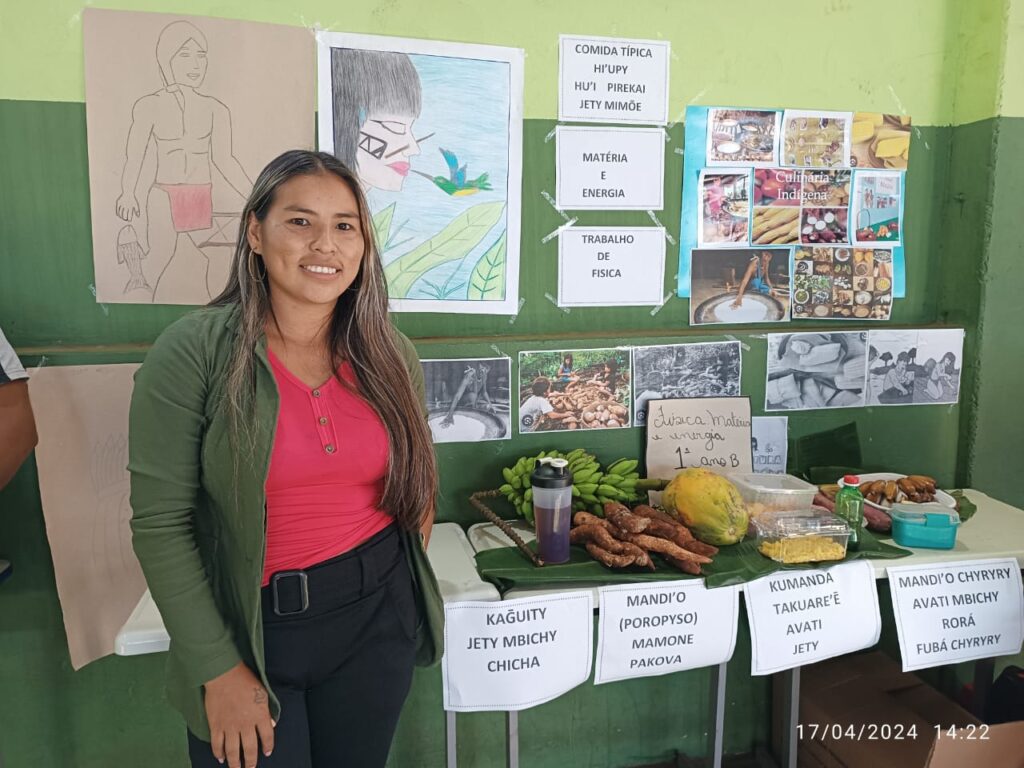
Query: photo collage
x,y
808,371
842,283
470,399
561,390
821,192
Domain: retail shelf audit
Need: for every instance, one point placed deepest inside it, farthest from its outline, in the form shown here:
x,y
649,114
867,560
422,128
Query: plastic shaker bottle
x,y
552,508
850,507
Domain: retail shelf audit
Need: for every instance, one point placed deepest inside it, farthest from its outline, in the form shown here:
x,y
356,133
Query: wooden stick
x,y
505,528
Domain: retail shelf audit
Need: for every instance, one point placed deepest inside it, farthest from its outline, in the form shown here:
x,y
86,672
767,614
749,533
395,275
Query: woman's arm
x,y
165,434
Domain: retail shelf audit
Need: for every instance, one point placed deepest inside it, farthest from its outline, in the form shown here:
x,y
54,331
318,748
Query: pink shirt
x,y
326,473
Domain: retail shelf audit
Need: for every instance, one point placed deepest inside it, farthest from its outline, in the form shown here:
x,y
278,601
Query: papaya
x,y
709,505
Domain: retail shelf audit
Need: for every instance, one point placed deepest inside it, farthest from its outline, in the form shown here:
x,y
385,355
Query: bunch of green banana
x,y
592,486
617,483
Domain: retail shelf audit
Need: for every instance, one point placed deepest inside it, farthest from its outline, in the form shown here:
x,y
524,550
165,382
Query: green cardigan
x,y
199,516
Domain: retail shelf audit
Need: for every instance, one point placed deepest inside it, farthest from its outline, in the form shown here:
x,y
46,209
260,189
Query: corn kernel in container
x,y
801,536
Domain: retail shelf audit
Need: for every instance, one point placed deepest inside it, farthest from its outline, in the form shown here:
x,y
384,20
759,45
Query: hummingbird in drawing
x,y
456,184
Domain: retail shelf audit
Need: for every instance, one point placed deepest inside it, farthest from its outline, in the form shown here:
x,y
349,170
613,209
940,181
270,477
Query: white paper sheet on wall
x,y
769,436
609,169
612,80
713,433
611,266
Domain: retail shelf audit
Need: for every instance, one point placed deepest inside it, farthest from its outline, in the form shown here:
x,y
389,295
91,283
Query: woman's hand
x,y
239,714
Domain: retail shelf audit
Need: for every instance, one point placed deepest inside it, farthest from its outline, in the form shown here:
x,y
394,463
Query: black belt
x,y
335,582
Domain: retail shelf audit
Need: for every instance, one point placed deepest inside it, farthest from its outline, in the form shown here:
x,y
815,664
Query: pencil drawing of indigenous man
x,y
189,133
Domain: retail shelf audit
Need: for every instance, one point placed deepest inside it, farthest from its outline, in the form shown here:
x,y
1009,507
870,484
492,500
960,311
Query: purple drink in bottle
x,y
552,508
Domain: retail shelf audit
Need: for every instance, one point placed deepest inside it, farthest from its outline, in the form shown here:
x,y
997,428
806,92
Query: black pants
x,y
341,668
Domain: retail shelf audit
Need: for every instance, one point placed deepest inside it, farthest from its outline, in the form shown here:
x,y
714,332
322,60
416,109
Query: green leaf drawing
x,y
459,237
487,283
441,292
435,291
382,225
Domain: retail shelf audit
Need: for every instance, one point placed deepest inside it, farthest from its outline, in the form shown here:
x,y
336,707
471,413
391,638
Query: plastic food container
x,y
801,536
772,493
924,525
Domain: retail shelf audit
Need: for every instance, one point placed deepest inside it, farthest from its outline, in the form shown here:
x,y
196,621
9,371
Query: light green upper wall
x,y
885,55
1012,97
975,60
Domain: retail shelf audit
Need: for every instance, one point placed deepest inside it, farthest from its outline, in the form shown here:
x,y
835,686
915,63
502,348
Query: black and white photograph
x,y
684,370
808,371
915,367
468,400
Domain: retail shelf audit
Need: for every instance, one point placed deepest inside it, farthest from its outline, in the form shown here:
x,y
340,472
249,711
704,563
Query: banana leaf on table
x,y
737,564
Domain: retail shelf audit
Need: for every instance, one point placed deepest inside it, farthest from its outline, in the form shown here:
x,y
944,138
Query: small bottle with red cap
x,y
850,507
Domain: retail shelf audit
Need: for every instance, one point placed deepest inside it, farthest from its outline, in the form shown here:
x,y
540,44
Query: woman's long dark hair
x,y
360,332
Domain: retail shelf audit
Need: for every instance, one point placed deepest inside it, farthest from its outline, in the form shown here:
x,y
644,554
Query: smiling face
x,y
385,145
311,240
188,65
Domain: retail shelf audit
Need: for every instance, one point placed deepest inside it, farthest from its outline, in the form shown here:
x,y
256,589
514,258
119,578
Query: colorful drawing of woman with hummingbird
x,y
440,211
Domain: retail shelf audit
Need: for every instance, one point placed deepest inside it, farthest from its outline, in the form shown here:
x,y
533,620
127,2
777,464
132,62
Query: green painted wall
x,y
961,208
983,248
997,437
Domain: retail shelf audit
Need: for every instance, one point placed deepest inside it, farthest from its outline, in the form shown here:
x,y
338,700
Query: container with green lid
x,y
932,526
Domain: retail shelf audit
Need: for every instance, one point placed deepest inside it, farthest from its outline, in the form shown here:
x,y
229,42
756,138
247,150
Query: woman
x,y
565,374
281,471
898,383
606,376
940,376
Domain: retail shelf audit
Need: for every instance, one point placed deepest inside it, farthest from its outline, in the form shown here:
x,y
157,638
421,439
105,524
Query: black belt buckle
x,y
275,581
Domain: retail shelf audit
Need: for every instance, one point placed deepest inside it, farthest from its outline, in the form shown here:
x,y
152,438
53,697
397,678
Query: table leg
x,y
451,755
512,719
718,720
984,670
785,716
